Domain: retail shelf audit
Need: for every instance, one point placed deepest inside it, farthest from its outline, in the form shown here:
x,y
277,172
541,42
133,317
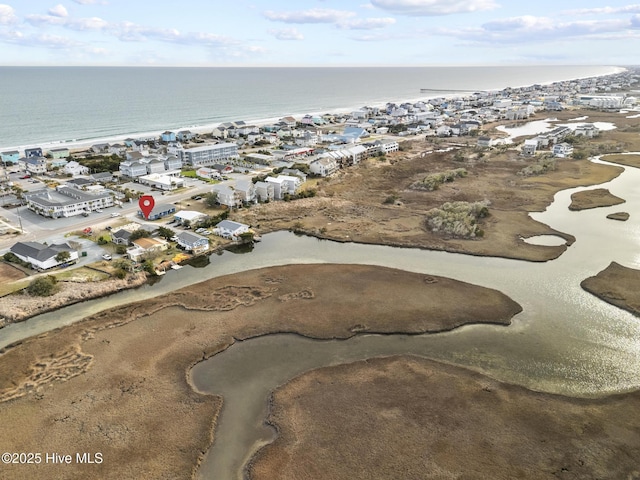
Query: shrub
x,y
458,219
433,181
120,273
42,286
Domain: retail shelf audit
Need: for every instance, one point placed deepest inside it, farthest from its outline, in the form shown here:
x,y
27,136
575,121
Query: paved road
x,y
42,229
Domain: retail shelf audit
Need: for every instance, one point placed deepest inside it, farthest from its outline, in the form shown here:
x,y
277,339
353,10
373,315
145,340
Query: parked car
x,y
106,256
115,214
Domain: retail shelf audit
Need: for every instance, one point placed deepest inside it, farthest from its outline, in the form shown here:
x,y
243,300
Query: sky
x,y
318,32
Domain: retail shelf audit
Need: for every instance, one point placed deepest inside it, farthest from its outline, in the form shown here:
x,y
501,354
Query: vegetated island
x,y
409,417
617,285
596,198
620,216
117,382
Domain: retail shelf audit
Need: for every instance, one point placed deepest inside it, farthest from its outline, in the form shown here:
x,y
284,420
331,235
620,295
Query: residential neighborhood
x,y
199,178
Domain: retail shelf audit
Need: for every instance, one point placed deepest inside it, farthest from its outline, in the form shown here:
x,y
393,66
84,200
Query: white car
x,y
115,214
98,210
106,256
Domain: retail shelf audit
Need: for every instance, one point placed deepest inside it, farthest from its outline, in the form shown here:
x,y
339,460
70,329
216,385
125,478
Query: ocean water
x,y
44,105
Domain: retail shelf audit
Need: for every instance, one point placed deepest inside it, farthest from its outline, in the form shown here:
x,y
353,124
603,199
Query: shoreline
x,y
84,143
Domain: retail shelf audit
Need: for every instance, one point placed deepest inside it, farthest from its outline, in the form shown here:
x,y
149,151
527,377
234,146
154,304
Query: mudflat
x,y
598,197
116,383
617,285
408,417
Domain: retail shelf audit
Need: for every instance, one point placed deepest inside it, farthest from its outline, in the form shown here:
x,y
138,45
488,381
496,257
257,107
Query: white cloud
x,y
79,24
315,15
433,7
58,11
287,34
41,40
528,28
604,10
91,2
367,23
7,15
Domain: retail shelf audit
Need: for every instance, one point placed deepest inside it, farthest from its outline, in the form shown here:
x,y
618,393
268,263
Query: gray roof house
x,y
193,242
230,229
43,256
121,237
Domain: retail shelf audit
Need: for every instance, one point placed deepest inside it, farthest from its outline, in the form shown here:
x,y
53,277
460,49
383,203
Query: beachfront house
x,y
10,156
192,242
57,153
168,137
43,257
33,152
230,229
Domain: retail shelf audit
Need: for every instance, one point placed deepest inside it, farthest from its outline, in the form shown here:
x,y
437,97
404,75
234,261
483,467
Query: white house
x,y
162,182
246,191
226,195
284,184
210,173
264,191
562,150
74,168
530,146
42,256
324,166
189,216
230,229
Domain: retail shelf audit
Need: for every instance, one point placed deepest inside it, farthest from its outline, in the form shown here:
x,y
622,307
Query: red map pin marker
x,y
146,204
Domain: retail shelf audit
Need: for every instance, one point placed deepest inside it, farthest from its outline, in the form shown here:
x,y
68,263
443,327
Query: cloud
x,y
367,23
433,7
604,10
58,11
315,15
41,40
91,2
79,24
528,28
287,34
7,15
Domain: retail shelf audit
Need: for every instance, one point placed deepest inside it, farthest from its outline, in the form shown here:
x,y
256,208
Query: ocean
x,y
80,105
